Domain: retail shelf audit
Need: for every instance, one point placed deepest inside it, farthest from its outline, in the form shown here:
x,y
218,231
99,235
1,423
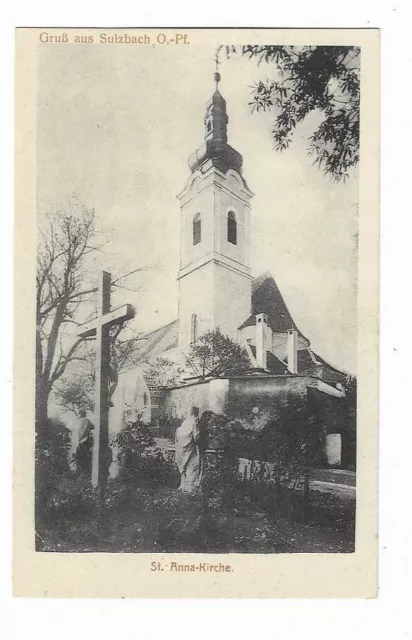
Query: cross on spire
x,y
216,75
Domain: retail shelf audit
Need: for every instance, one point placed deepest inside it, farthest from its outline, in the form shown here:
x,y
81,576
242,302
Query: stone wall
x,y
209,395
254,399
239,397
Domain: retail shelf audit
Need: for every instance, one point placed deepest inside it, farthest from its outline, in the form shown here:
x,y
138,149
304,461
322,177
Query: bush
x,y
141,462
220,482
286,436
52,449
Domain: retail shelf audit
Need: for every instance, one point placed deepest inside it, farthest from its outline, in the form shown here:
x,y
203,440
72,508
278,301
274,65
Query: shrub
x,y
140,459
220,480
52,449
286,436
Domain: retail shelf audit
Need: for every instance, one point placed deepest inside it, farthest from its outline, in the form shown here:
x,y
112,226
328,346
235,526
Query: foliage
x,y
161,372
323,79
140,459
351,418
143,520
76,393
75,390
286,431
214,354
51,464
220,484
286,437
351,386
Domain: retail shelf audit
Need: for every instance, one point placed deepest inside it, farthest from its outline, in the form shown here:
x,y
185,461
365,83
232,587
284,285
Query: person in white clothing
x,y
189,453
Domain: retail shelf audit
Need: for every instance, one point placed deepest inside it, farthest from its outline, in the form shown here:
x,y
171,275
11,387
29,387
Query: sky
x,y
116,125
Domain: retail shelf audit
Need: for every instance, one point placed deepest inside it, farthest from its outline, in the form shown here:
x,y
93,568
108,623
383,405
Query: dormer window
x,y
197,229
231,228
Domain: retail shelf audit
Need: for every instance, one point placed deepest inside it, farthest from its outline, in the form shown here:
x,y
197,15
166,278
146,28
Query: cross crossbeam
x,y
125,312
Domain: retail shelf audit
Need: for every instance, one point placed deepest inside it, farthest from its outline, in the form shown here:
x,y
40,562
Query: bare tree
x,y
74,391
65,240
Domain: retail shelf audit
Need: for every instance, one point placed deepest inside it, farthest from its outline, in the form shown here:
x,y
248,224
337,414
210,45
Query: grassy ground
x,y
138,520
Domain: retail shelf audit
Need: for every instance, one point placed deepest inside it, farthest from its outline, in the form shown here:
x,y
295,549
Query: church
x,y
218,290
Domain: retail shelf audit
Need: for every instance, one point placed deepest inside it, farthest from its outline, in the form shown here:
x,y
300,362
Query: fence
x,y
264,472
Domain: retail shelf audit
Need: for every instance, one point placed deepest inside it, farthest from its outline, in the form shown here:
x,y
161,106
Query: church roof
x,y
220,154
157,342
216,151
267,299
311,363
274,365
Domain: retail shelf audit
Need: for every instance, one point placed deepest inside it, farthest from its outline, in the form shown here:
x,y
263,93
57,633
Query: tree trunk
x,y
42,394
42,397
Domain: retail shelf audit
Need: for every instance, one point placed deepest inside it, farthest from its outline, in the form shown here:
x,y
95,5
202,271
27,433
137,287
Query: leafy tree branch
x,y
307,79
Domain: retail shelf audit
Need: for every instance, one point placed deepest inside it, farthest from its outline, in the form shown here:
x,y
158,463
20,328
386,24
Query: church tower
x,y
214,276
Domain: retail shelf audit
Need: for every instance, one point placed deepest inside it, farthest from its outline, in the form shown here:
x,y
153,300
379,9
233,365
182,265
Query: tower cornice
x,y
216,258
218,179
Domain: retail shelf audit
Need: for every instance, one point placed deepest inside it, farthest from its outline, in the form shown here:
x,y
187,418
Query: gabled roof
x,y
267,299
274,365
306,360
158,341
310,363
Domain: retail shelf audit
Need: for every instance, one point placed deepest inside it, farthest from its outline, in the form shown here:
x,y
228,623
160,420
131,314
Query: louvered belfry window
x,y
197,229
231,228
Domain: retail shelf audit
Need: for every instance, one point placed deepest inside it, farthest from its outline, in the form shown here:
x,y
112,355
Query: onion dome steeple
x,y
216,118
216,149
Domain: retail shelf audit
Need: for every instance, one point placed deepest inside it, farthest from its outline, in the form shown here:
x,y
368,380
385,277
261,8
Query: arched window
x,y
231,228
193,328
197,229
145,399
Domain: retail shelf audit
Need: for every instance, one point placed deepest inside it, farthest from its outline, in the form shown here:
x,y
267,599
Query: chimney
x,y
293,351
261,348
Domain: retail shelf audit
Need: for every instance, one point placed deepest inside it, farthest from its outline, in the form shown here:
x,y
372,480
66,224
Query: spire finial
x,y
216,75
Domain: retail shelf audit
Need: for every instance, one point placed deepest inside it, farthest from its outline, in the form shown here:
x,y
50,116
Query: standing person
x,y
84,449
189,455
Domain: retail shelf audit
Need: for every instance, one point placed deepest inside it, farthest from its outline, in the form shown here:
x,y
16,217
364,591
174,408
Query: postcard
x,y
196,313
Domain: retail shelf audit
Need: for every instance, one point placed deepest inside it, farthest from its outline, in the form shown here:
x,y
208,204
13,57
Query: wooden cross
x,y
100,327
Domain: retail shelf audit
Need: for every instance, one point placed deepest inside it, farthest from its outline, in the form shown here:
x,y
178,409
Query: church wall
x,y
196,295
200,202
232,297
131,401
225,202
249,334
263,392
